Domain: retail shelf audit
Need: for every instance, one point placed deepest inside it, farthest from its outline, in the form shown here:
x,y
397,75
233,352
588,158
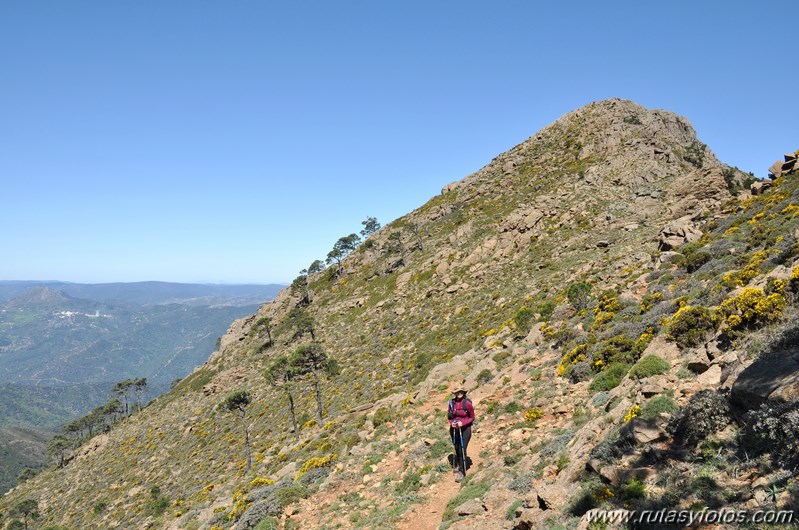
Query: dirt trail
x,y
427,516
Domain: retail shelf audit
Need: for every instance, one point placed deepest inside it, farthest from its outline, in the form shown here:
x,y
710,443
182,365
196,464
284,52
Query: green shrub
x,y
382,415
467,493
693,257
545,309
485,376
657,405
648,366
512,407
501,356
510,515
410,484
774,429
706,413
691,325
618,349
523,319
634,489
269,523
579,295
289,495
609,378
522,484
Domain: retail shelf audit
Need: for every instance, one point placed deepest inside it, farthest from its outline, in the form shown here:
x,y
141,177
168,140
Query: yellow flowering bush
x,y
745,275
650,300
791,209
602,493
634,412
575,356
533,414
313,463
752,307
240,505
606,308
258,482
690,325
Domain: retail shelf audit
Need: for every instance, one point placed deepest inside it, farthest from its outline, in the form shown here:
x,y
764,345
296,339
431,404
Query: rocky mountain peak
x,y
615,142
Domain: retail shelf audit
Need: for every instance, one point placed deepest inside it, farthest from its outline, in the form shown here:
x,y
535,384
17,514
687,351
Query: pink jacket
x,y
462,411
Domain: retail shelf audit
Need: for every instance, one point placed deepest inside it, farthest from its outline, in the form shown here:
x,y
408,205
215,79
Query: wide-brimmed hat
x,y
458,391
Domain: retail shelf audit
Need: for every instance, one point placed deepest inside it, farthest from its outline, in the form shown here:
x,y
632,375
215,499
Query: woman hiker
x,y
461,415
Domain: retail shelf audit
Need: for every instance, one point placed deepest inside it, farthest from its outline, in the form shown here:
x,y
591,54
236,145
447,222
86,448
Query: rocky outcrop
x,y
772,377
785,166
678,233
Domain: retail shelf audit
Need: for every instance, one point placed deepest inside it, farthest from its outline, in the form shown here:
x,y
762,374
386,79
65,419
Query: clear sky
x,y
236,141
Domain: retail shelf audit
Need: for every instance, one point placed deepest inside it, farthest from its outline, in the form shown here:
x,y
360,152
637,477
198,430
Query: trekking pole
x,y
463,451
454,446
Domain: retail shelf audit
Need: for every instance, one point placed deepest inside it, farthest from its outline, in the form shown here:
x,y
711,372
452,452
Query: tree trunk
x,y
318,399
246,443
293,416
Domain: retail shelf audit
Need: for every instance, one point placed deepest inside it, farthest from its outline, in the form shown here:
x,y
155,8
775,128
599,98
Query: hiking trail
x,y
427,515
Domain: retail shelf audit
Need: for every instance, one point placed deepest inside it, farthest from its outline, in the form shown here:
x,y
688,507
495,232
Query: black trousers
x,y
461,457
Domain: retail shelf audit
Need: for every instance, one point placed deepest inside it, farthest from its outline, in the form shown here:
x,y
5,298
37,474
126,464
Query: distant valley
x,y
64,345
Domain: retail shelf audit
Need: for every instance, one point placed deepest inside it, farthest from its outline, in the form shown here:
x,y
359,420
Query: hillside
x,y
593,288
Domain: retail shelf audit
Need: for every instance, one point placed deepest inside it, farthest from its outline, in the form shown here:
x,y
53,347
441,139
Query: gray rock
x,y
472,507
642,431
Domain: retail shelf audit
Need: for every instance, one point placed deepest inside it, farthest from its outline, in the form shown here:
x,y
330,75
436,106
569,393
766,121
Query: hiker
x,y
460,415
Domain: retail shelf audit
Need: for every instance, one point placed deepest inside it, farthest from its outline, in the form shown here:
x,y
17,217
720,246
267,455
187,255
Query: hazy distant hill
x,y
50,338
147,293
63,346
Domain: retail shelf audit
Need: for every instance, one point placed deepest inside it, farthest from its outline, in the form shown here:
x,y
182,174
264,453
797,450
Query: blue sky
x,y
236,141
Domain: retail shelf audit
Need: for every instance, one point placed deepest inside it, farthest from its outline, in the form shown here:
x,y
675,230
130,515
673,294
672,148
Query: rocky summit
x,y
618,303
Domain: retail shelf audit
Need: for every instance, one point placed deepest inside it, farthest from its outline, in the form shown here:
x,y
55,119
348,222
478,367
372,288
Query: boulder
x,y
642,431
549,497
773,376
650,389
663,348
528,519
521,220
699,362
450,187
711,376
775,171
535,337
678,233
760,187
472,507
668,258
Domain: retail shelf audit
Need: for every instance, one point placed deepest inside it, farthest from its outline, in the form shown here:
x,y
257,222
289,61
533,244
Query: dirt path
x,y
427,516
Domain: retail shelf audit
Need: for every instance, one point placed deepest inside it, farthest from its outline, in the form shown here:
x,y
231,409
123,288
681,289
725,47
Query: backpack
x,y
451,408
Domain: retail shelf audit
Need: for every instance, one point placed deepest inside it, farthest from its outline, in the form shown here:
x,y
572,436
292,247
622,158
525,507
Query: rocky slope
x,y
584,286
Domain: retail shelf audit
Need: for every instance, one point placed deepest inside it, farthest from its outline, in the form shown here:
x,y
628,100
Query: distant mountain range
x,y
151,293
63,346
